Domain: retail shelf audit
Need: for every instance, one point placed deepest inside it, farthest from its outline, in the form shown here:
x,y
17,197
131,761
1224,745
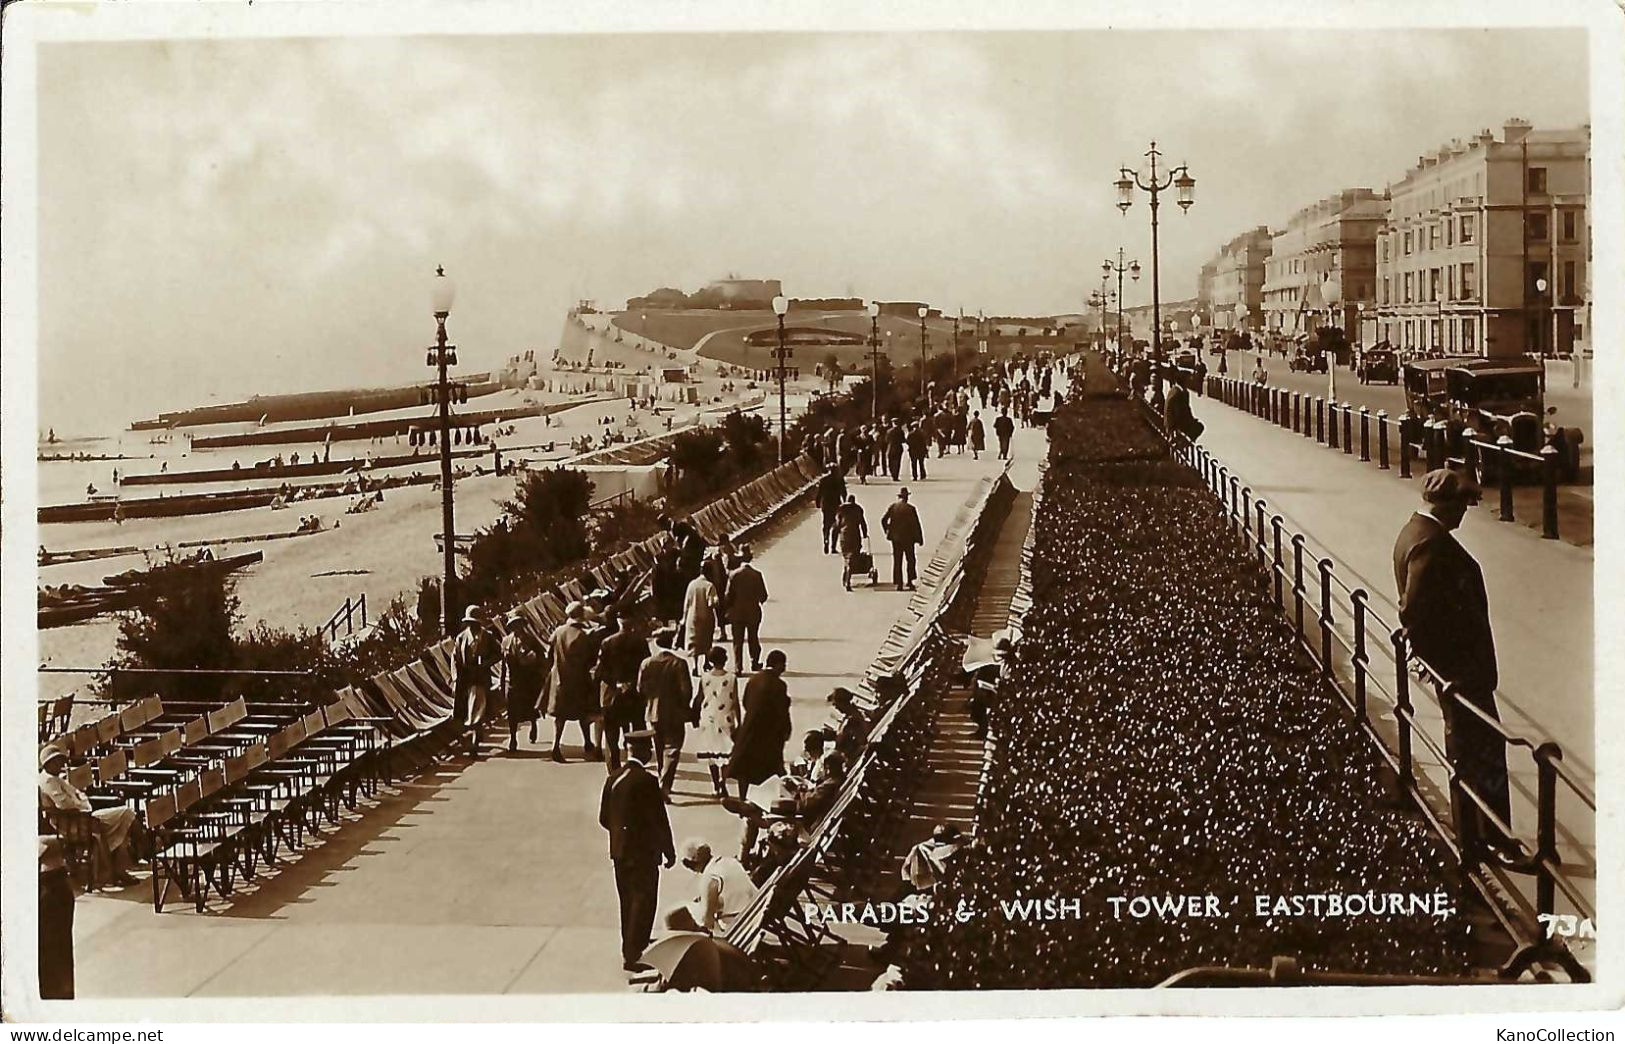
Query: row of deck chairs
x,y
744,508
226,812
849,848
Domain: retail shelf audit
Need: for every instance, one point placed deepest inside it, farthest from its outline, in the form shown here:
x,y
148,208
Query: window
x,y
1467,223
1387,294
1568,279
1433,237
1538,273
1407,243
1569,226
1536,227
1436,333
1408,285
1537,180
1467,336
1433,285
1450,283
1384,242
1449,233
1469,281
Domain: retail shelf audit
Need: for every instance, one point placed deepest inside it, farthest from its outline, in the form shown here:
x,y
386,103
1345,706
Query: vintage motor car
x,y
1378,364
1307,358
1493,397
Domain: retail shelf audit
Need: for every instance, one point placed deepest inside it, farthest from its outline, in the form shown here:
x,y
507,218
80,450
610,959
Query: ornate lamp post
x,y
442,292
957,318
1331,290
1133,268
923,310
874,357
1180,179
781,304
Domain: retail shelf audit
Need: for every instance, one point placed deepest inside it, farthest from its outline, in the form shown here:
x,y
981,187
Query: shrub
x,y
543,528
184,621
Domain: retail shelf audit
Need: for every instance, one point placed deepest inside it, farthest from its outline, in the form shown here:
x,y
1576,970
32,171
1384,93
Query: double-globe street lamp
x,y
1155,184
442,292
781,304
1133,268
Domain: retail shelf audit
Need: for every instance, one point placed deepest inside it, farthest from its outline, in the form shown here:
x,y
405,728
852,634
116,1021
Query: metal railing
x,y
1350,428
345,616
1355,649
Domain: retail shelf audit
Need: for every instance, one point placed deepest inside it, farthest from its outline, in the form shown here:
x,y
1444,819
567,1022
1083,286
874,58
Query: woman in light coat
x,y
716,716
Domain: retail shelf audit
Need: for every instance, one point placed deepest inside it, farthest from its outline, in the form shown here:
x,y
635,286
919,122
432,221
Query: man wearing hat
x,y
472,658
668,691
746,592
112,825
620,657
633,812
1444,609
901,524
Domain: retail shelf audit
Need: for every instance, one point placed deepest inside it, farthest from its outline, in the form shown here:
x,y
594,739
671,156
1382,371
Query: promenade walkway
x,y
1541,595
491,877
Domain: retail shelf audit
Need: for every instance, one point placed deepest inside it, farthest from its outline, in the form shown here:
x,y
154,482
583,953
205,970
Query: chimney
x,y
1513,130
1484,138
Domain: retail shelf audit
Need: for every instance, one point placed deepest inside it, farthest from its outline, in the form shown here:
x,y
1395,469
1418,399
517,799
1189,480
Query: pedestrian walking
x,y
978,436
852,533
716,717
620,656
896,439
633,813
919,448
747,591
668,697
758,750
901,524
831,494
718,563
1003,428
1444,609
667,586
570,695
522,678
699,619
862,455
472,657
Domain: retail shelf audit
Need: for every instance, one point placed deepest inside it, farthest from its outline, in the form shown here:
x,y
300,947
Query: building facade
x,y
1322,268
1236,291
1486,244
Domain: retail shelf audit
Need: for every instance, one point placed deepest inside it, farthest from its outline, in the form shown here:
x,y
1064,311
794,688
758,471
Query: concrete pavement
x,y
491,876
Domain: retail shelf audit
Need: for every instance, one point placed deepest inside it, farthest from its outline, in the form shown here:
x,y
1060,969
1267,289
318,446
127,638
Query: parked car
x,y
1378,364
1306,359
1493,397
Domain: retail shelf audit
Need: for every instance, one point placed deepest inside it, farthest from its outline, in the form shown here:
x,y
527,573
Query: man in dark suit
x,y
901,524
1444,609
663,681
746,593
1177,416
831,495
634,813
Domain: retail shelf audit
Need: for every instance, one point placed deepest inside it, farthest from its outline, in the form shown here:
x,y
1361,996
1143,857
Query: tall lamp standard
x,y
957,318
442,292
923,309
781,304
1180,179
1133,268
1331,290
874,357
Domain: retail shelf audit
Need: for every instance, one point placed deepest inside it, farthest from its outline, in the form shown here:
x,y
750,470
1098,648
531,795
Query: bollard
x,y
1433,441
1503,464
1320,419
1247,513
1348,428
1548,495
1365,434
1382,440
1331,424
1405,425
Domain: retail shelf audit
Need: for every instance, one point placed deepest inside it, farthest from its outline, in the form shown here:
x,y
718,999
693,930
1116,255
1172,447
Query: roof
x,y
1501,371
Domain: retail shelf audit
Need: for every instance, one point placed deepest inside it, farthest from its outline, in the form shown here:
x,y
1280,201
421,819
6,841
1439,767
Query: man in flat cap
x,y
1444,609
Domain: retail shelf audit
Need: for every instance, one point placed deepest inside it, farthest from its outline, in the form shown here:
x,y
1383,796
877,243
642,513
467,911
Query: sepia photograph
x,y
530,505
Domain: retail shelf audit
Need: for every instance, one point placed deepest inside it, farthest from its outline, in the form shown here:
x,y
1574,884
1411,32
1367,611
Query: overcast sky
x,y
226,218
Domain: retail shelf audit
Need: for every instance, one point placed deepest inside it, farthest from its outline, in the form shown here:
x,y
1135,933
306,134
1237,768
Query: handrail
x,y
345,615
1543,862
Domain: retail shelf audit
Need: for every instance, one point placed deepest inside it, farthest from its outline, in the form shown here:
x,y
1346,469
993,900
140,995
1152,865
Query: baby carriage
x,y
864,562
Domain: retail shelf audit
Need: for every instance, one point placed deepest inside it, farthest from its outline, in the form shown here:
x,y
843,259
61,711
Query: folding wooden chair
x,y
179,853
82,845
